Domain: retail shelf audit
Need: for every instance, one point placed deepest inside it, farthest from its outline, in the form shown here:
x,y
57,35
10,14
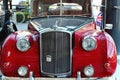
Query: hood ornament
x,y
55,26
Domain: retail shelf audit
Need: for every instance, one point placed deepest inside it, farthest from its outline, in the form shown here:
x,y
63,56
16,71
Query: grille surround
x,y
49,57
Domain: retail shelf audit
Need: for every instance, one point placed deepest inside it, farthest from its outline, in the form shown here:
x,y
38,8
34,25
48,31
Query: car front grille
x,y
55,53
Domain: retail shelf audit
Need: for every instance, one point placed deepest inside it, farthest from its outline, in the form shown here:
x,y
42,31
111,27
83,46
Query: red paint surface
x,y
104,53
12,59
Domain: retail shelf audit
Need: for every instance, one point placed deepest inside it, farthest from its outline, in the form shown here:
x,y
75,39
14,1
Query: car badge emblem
x,y
48,58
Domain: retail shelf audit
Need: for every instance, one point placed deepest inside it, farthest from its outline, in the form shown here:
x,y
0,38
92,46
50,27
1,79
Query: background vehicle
x,y
72,8
64,46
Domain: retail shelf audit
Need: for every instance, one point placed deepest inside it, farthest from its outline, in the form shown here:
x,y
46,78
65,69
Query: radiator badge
x,y
48,58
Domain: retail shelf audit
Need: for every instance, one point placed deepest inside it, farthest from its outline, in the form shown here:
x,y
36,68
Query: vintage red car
x,y
61,46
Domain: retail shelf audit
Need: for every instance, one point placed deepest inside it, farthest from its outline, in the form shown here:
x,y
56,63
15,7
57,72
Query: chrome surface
x,y
117,7
78,75
56,42
89,71
56,54
23,44
22,71
31,76
18,78
89,43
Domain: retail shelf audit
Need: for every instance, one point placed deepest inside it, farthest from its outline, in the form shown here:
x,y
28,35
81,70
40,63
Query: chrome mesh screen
x,y
55,52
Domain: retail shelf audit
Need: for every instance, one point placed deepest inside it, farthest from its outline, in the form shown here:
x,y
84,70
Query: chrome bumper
x,y
32,78
14,78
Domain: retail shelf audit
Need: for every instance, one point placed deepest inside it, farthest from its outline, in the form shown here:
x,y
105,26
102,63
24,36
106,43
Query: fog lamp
x,y
22,71
89,71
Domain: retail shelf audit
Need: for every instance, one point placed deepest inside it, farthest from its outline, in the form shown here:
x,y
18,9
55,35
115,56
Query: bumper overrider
x,y
32,78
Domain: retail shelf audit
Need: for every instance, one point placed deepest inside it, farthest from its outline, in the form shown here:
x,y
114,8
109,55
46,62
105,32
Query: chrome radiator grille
x,y
55,53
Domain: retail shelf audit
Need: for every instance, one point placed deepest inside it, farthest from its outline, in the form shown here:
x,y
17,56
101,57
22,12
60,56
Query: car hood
x,y
70,23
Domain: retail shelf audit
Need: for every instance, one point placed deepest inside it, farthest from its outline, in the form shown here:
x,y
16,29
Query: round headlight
x,y
89,71
89,43
23,44
22,71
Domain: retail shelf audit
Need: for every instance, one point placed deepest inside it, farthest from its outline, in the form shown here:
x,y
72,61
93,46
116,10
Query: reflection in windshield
x,y
67,7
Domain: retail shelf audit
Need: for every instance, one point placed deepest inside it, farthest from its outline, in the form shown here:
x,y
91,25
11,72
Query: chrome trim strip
x,y
45,78
31,76
78,75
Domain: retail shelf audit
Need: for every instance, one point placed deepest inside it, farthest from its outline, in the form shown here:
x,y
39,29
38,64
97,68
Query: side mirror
x,y
109,26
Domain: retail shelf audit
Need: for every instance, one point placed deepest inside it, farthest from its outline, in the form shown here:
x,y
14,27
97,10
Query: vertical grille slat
x,y
55,52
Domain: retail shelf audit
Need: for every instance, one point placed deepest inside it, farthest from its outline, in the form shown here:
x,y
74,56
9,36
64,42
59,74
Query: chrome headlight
x,y
89,71
89,43
22,71
23,44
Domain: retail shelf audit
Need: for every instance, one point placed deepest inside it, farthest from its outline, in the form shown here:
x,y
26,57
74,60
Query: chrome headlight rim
x,y
22,71
91,46
89,71
19,44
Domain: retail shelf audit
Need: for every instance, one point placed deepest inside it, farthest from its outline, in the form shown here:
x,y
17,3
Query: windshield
x,y
62,7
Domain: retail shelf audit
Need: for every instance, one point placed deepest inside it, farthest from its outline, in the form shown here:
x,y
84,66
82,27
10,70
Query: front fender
x,y
103,58
111,54
12,58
